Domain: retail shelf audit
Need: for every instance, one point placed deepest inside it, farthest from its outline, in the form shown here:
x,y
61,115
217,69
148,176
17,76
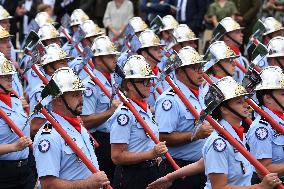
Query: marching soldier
x,y
176,123
134,153
265,143
184,37
273,29
151,50
229,31
275,55
170,24
5,23
5,48
91,31
65,169
54,59
15,171
98,107
225,167
77,17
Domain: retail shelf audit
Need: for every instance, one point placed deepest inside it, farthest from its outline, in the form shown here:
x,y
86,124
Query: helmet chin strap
x,y
277,102
278,61
137,90
188,78
74,112
235,41
106,66
150,54
223,69
234,112
4,89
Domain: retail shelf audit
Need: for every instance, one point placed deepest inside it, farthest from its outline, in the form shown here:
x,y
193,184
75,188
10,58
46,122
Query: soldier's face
x,y
6,81
75,100
191,43
52,67
279,95
237,35
239,105
143,85
109,61
229,65
194,72
5,47
54,40
5,24
166,35
156,52
279,61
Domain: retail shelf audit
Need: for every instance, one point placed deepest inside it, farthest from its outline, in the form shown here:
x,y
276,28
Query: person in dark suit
x,y
191,12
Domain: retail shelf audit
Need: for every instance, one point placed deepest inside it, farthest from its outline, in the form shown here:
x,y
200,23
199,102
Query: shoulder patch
x,y
167,105
88,92
122,119
43,146
261,133
46,129
38,96
33,73
219,145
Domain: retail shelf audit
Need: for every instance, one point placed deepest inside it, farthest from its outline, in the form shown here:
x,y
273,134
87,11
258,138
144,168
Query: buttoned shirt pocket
x,y
277,149
69,153
140,132
240,165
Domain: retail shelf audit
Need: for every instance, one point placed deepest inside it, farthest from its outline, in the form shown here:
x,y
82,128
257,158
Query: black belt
x,y
144,164
14,163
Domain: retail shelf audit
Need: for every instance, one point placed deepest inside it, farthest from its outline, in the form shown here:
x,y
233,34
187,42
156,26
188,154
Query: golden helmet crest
x,y
149,39
272,77
6,66
272,25
4,14
102,45
78,16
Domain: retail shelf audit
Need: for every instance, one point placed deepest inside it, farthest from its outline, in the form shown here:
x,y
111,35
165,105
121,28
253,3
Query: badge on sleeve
x,y
38,96
33,73
122,119
44,146
88,92
219,145
261,133
167,105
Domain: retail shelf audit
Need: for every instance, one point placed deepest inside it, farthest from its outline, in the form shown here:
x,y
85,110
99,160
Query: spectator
x,y
152,8
273,8
191,12
116,17
219,10
215,13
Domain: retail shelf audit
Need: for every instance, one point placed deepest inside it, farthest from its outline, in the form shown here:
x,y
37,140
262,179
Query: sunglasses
x,y
145,82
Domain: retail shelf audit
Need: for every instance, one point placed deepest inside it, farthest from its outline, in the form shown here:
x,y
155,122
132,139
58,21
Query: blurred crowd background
x,y
200,15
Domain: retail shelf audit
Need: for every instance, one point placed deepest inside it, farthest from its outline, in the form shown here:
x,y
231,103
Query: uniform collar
x,y
6,98
273,115
235,48
230,129
74,121
139,108
185,90
101,77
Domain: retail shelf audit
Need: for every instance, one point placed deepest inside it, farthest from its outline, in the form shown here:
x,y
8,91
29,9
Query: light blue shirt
x,y
95,100
17,85
173,116
76,66
239,74
55,158
264,141
8,136
125,129
221,157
